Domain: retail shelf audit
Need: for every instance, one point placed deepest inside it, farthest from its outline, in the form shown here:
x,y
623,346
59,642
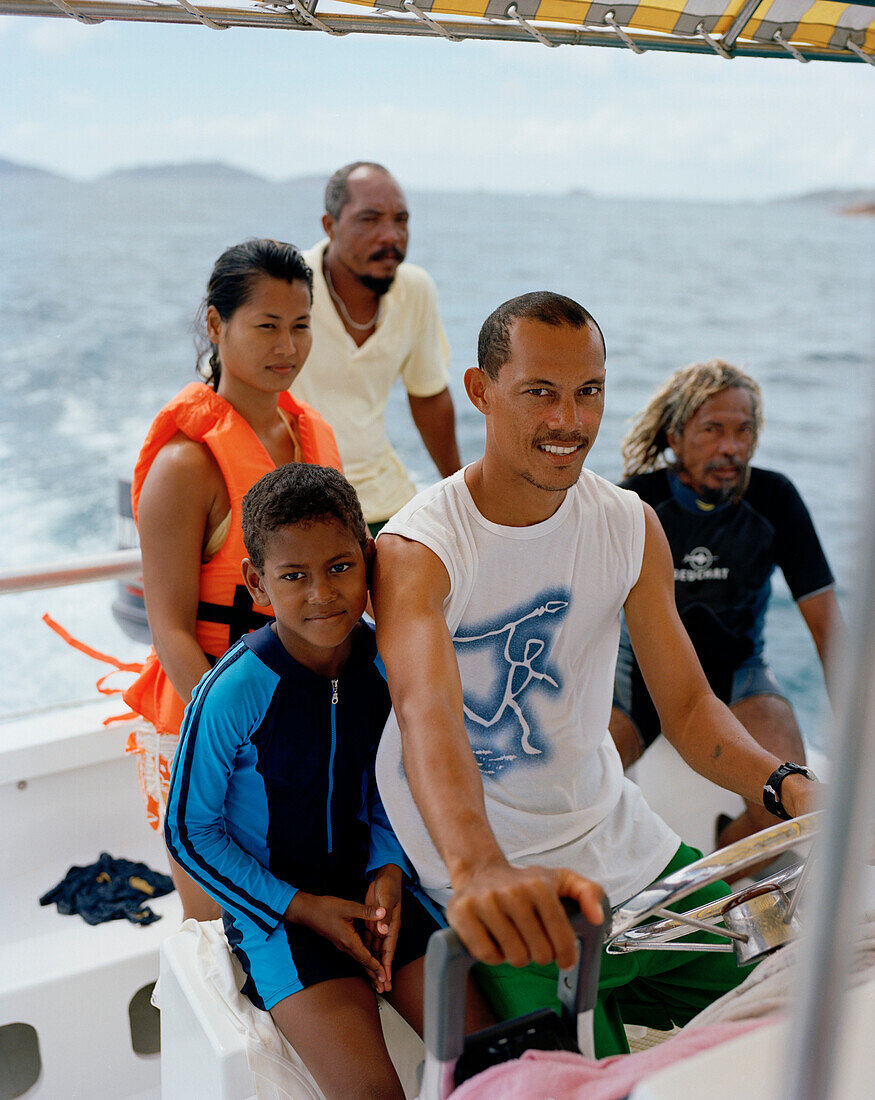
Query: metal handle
x,y
447,963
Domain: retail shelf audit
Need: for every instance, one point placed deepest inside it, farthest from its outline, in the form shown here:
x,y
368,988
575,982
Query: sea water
x,y
100,282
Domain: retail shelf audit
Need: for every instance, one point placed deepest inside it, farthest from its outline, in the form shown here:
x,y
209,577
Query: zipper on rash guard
x,y
334,684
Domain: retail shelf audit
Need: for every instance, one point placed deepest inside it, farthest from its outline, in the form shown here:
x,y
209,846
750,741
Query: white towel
x,y
278,1071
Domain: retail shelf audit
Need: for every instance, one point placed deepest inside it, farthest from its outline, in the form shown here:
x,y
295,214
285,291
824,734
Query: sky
x,y
83,100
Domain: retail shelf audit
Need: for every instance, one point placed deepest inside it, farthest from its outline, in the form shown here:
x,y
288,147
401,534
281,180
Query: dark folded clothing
x,y
109,890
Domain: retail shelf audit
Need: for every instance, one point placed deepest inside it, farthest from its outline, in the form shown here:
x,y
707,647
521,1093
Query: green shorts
x,y
656,989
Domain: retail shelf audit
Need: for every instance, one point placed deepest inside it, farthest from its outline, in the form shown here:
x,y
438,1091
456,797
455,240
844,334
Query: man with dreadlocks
x,y
728,525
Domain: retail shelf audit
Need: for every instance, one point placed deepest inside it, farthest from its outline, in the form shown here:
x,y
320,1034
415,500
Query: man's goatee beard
x,y
377,286
724,495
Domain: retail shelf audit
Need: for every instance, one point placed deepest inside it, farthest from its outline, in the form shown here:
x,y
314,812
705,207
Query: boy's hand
x,y
333,918
381,935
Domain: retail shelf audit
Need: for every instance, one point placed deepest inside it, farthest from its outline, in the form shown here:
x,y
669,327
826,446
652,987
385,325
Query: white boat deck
x,y
68,793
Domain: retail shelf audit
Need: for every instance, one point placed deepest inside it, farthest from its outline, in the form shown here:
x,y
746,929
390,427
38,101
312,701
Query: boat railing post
x,y
740,22
835,897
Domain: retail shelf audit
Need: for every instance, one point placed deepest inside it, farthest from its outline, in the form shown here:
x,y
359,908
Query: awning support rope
x,y
200,17
513,13
312,20
611,21
716,46
410,6
788,46
78,16
854,48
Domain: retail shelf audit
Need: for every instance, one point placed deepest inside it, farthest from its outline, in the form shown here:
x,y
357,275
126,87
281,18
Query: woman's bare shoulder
x,y
182,459
182,469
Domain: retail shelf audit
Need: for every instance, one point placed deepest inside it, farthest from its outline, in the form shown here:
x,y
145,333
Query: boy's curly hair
x,y
298,493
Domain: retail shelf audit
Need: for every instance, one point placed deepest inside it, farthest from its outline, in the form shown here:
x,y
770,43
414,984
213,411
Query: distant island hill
x,y
214,173
194,172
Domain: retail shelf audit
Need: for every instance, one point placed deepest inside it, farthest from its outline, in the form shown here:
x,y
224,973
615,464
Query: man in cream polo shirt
x,y
375,318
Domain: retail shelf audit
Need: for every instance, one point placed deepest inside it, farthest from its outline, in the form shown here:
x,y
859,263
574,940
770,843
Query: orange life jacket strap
x,y
118,666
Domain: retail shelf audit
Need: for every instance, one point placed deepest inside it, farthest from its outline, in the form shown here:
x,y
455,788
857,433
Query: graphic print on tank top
x,y
508,658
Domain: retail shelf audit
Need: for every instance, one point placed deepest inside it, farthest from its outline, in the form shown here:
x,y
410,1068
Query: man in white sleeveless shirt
x,y
497,600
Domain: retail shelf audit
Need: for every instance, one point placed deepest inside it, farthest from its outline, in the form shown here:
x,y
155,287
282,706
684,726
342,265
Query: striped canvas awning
x,y
823,30
800,22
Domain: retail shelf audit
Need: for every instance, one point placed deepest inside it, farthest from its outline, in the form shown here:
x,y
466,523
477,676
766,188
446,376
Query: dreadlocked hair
x,y
673,405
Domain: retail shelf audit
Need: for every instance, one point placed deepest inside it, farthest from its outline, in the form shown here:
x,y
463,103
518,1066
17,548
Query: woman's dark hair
x,y
232,282
298,493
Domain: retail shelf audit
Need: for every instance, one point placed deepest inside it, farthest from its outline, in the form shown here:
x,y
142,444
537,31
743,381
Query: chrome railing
x,y
103,567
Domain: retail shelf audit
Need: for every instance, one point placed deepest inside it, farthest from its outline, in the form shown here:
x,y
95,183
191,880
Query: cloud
x,y
475,115
608,148
57,37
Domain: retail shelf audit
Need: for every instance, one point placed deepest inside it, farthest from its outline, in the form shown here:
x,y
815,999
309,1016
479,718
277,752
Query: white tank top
x,y
534,617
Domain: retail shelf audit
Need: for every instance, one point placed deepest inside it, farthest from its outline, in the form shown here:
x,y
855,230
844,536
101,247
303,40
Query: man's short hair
x,y
298,493
337,188
675,403
493,343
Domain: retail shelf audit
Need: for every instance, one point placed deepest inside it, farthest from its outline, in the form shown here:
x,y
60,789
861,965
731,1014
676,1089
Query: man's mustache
x,y
390,253
563,441
737,465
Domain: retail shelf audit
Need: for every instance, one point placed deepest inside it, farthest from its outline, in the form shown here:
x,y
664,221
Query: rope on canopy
x,y
610,19
513,13
410,6
201,18
63,6
828,31
851,45
310,18
716,46
789,47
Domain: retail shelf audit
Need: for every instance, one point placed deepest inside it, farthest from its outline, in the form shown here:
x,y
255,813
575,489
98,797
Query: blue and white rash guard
x,y
273,783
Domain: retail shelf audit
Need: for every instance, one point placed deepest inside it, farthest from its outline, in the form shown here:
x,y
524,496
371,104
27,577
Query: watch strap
x,y
772,788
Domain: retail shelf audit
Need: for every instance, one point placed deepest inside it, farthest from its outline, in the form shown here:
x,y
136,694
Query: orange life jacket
x,y
225,609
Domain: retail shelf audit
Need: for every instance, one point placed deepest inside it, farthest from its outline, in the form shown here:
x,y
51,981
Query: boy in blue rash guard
x,y
273,807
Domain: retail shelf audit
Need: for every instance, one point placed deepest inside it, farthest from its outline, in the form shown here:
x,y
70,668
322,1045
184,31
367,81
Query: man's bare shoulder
x,y
402,561
657,572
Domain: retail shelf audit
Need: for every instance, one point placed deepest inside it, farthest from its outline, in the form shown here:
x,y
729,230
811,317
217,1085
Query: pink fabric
x,y
558,1075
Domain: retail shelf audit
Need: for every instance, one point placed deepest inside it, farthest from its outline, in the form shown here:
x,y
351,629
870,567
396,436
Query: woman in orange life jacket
x,y
204,451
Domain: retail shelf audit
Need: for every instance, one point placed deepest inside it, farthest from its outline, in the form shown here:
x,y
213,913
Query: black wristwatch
x,y
772,789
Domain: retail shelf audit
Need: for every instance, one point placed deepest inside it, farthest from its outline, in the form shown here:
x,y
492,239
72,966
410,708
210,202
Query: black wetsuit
x,y
723,557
